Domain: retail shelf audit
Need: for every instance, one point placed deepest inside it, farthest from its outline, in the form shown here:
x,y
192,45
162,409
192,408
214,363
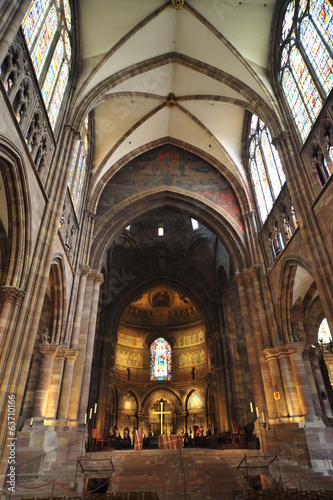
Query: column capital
x,y
284,350
48,350
61,352
278,139
99,278
71,355
249,214
11,294
83,270
89,213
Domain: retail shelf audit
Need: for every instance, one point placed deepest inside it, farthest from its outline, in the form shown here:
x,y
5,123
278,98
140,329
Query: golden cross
x,y
161,413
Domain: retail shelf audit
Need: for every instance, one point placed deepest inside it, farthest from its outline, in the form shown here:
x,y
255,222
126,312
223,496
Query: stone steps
x,y
200,471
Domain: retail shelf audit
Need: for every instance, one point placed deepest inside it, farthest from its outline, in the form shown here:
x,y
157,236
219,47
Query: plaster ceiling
x,y
211,55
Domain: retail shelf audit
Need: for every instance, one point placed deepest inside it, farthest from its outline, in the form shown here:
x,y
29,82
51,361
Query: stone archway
x,y
151,419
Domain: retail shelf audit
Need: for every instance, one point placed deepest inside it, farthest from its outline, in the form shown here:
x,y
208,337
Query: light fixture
x,y
160,230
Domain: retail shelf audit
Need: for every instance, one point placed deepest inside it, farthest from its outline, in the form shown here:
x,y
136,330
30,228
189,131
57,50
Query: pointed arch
x,y
19,215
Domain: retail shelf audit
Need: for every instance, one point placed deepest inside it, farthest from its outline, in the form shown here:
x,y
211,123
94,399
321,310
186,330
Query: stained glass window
x,y
79,169
58,94
160,360
306,59
46,29
43,45
33,20
265,167
324,333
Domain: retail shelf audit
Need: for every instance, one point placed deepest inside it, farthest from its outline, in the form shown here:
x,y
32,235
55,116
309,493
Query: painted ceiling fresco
x,y
170,166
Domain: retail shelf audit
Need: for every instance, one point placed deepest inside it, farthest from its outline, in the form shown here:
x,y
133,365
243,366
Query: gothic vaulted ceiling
x,y
154,70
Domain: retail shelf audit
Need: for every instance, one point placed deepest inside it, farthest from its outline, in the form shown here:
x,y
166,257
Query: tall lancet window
x,y
79,168
324,333
265,167
160,360
47,31
306,59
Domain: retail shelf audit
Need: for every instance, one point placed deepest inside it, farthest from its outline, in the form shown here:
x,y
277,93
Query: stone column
x,y
70,359
89,348
286,404
72,353
258,323
48,352
304,395
10,302
53,396
250,344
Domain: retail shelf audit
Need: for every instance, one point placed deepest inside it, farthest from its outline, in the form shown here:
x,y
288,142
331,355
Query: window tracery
x,y
46,28
79,168
306,59
265,167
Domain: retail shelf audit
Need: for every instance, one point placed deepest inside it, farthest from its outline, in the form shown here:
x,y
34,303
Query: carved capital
x,y
48,350
284,136
11,294
284,350
61,352
249,214
99,278
84,270
71,355
89,213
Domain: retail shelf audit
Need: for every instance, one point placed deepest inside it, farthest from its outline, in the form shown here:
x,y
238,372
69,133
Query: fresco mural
x,y
195,402
130,340
129,359
193,339
192,358
171,166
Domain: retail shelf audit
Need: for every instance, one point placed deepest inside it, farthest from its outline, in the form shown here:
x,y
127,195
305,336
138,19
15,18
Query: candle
x,y
263,416
257,411
90,413
85,419
31,421
251,406
95,409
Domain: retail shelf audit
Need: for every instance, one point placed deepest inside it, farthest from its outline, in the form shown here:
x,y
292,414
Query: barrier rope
x,y
34,487
127,486
316,482
190,485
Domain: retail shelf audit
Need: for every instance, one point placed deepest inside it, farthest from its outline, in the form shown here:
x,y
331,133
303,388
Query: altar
x,y
171,442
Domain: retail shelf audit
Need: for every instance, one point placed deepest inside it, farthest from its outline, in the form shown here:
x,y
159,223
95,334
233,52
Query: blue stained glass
x,y
296,104
318,55
58,94
322,13
52,73
33,20
305,83
160,360
42,47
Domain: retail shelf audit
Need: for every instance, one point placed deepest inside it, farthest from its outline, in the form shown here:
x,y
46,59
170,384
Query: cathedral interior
x,y
166,226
